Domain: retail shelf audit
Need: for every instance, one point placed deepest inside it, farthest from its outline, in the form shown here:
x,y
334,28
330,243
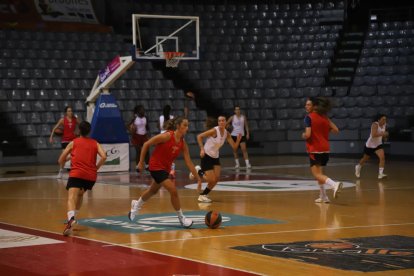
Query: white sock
x,y
330,182
381,170
71,214
140,202
358,166
247,162
322,192
180,213
237,162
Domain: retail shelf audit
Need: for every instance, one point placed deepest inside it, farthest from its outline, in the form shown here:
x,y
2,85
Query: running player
x,y
209,153
374,146
168,146
317,128
69,125
83,173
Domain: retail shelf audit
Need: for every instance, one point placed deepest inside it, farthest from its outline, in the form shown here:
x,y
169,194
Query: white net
x,y
172,58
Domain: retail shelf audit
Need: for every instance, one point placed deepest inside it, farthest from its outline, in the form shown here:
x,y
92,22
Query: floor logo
x,y
167,222
267,185
367,254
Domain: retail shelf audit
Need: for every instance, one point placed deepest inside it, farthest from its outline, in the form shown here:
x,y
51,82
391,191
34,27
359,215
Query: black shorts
x,y
243,139
64,145
208,162
320,159
371,151
159,176
83,184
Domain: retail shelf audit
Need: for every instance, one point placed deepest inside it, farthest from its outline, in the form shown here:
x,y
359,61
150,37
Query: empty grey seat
x,y
38,143
18,118
28,130
44,129
38,106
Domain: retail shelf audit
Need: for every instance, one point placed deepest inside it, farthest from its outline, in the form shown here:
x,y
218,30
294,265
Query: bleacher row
x,y
251,59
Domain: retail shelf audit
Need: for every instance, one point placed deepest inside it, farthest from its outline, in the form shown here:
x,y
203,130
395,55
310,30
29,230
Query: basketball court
x,y
271,225
270,222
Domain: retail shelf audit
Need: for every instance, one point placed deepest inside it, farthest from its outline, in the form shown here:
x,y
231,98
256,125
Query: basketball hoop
x,y
172,58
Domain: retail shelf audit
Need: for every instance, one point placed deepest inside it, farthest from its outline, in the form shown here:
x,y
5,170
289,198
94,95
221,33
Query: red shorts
x,y
138,140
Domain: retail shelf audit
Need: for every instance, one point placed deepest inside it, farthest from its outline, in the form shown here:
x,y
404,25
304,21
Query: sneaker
x,y
237,166
248,166
381,176
134,210
60,174
337,189
172,173
68,227
358,171
204,199
185,222
322,200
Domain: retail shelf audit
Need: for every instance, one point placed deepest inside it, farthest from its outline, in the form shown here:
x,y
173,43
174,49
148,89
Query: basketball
x,y
58,132
213,219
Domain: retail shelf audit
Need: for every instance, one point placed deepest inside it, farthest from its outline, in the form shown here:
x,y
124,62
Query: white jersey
x,y
140,124
238,125
162,122
374,142
213,144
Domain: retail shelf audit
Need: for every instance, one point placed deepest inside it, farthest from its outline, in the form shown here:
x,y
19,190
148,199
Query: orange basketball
x,y
213,219
58,132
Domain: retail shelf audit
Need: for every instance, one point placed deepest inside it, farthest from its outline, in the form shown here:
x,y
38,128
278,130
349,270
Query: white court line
x,y
108,244
284,166
278,232
53,176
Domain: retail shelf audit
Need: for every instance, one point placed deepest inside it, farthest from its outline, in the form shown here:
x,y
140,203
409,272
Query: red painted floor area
x,y
78,256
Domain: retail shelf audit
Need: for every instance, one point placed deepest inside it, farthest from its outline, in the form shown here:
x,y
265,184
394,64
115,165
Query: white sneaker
x,y
358,171
60,174
185,222
248,166
322,200
381,176
204,199
134,210
337,189
237,166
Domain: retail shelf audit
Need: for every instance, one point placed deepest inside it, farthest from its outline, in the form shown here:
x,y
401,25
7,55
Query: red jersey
x,y
68,129
83,163
319,139
164,154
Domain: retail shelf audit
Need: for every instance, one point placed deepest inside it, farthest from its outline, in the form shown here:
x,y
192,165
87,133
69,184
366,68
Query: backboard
x,y
154,34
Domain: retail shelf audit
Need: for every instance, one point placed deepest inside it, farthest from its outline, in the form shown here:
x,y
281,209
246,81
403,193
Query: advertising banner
x,y
66,11
109,69
117,157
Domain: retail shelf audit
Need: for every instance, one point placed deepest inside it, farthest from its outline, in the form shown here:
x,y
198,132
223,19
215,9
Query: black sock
x,y
206,191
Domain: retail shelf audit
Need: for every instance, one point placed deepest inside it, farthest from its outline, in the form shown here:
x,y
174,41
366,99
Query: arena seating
x,y
265,57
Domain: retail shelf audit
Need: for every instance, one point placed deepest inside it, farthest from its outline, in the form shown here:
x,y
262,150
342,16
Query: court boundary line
x,y
280,232
109,244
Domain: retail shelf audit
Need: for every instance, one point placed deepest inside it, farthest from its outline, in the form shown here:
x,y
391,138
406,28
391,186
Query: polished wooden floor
x,y
31,197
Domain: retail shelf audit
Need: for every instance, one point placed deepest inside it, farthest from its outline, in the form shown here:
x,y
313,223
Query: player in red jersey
x,y
168,146
317,129
83,172
67,127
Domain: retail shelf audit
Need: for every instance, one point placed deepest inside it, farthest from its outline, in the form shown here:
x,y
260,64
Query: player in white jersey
x,y
240,126
140,132
209,153
374,145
